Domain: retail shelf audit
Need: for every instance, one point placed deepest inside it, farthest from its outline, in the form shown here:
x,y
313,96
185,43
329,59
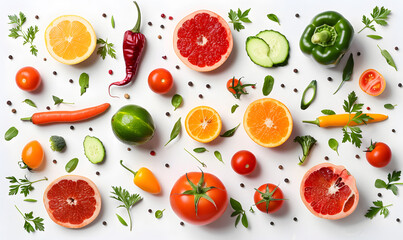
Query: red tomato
x,y
379,154
160,81
184,205
243,162
32,154
271,195
28,79
372,82
229,84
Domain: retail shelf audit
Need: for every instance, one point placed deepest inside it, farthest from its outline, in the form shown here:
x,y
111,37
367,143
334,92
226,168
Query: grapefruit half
x,y
72,201
203,40
329,191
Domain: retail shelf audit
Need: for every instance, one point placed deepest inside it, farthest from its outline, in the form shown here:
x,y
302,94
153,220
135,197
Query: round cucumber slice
x,y
258,51
278,43
94,149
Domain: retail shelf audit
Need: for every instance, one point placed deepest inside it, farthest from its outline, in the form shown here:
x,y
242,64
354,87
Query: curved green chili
x,y
313,85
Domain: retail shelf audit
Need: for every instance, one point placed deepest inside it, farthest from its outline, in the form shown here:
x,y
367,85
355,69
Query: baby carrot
x,y
340,120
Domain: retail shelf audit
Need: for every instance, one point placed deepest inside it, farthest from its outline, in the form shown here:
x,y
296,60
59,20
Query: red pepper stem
x,y
26,119
121,163
136,28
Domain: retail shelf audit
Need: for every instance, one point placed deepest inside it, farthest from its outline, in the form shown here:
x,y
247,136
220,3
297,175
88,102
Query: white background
x,y
146,226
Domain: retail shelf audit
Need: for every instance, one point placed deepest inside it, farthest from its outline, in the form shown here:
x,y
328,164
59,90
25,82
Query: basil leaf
x,y
347,71
175,131
230,132
244,220
176,101
29,102
388,57
234,107
71,165
159,213
84,82
121,220
390,106
235,204
30,200
328,112
11,133
333,144
376,37
113,22
200,150
57,100
273,17
268,85
313,85
217,154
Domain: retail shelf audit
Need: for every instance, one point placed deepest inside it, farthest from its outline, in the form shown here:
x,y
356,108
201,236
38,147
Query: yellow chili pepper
x,y
341,120
145,179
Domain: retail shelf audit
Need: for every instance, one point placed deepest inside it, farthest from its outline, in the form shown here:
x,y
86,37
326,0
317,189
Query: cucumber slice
x,y
279,46
258,51
94,149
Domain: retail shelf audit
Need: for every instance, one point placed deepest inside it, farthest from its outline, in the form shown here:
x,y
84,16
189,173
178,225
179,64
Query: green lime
x,y
133,125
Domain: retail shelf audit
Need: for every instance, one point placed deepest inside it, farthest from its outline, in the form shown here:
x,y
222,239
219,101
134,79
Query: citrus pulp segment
x,y
203,124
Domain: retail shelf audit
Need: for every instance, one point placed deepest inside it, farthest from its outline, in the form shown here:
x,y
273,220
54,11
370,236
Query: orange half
x,y
203,124
268,122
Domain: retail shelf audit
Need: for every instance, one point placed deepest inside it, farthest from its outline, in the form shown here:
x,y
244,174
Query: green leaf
x,y
376,37
273,17
30,200
176,101
328,112
237,220
121,220
175,131
244,221
105,49
84,82
159,213
395,176
251,210
234,107
217,154
347,71
268,85
306,104
29,102
235,205
390,106
200,150
230,132
11,133
238,17
380,183
388,57
113,22
333,144
71,165
57,100
394,189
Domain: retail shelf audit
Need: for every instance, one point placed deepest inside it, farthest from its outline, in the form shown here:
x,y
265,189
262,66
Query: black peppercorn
x,y
295,70
10,57
71,81
104,15
200,95
167,114
397,219
282,85
330,79
54,73
286,180
47,108
150,23
357,156
13,110
54,161
104,223
162,26
177,67
129,149
166,165
208,86
393,130
36,17
358,53
326,158
72,127
150,210
242,185
400,85
297,15
379,194
182,224
396,48
272,223
295,219
90,128
9,103
190,84
295,90
280,167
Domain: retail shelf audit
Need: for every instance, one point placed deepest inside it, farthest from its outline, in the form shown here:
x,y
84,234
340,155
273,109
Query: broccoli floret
x,y
57,143
307,143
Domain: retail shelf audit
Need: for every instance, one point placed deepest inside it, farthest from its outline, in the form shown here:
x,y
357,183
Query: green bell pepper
x,y
327,38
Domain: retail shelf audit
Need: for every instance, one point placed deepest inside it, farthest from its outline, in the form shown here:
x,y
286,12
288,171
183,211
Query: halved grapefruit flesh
x,y
203,40
329,191
72,201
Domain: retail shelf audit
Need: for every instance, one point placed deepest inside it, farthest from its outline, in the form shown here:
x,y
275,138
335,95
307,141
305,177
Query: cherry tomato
x,y
269,198
28,79
229,85
379,154
243,162
160,81
372,82
201,212
32,154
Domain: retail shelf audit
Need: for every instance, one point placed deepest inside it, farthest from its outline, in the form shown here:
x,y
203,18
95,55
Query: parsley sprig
x,y
379,208
353,133
106,48
378,15
394,177
24,185
239,212
128,200
29,217
17,31
238,17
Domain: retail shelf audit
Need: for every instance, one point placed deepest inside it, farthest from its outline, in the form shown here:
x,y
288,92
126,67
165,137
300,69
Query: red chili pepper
x,y
66,116
133,45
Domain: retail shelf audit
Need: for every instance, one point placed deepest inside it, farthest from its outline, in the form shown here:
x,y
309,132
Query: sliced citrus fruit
x,y
203,124
70,39
329,191
72,201
268,122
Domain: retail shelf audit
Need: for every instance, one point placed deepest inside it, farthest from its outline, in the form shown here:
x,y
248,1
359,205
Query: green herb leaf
x,y
24,185
268,85
58,100
347,71
29,102
379,207
84,82
238,17
390,106
234,107
304,104
30,200
388,57
333,144
202,163
376,37
235,204
176,101
328,112
391,185
29,217
237,88
17,31
239,212
128,200
159,213
273,17
251,210
244,221
11,133
200,150
380,183
175,131
217,154
121,220
378,15
113,22
105,48
71,165
230,132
